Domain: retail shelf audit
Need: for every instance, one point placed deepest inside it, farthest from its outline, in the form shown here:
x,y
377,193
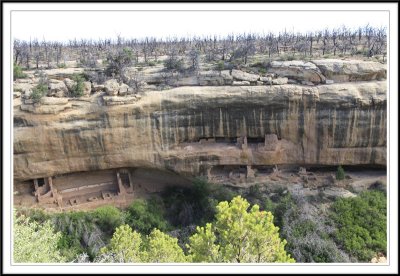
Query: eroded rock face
x,y
297,70
47,105
123,89
111,87
243,125
335,192
19,86
69,84
241,83
212,78
351,70
280,81
53,101
87,88
57,88
114,100
98,88
243,76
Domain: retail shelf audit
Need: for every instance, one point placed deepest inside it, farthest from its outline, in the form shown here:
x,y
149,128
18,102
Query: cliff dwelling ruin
x,y
91,189
84,188
232,127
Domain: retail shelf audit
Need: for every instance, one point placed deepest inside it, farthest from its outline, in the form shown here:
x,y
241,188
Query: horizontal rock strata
x,y
191,129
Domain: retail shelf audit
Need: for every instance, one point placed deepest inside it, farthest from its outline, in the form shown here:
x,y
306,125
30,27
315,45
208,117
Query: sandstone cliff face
x,y
191,129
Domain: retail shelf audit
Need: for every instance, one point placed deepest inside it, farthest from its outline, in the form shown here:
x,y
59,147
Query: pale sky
x,y
65,25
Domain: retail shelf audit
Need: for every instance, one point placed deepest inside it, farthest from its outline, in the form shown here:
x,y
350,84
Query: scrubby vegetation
x,y
18,74
81,233
361,224
108,218
40,90
118,61
259,239
78,86
173,62
203,223
308,232
145,215
237,49
150,64
35,242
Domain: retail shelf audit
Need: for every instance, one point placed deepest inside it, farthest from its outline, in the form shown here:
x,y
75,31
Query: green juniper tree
x,y
340,173
239,235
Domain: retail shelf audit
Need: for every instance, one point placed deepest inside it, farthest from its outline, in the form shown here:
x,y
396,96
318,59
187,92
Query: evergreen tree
x,y
239,236
161,248
340,173
125,244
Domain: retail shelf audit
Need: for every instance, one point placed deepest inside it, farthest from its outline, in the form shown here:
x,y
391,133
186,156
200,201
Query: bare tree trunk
x,y
27,60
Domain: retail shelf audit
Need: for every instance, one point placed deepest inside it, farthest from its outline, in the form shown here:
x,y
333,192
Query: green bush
x,y
220,65
78,87
39,91
290,58
270,206
303,227
117,62
108,218
262,71
18,74
340,173
151,63
34,214
144,215
69,247
361,224
284,204
363,52
62,65
174,64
